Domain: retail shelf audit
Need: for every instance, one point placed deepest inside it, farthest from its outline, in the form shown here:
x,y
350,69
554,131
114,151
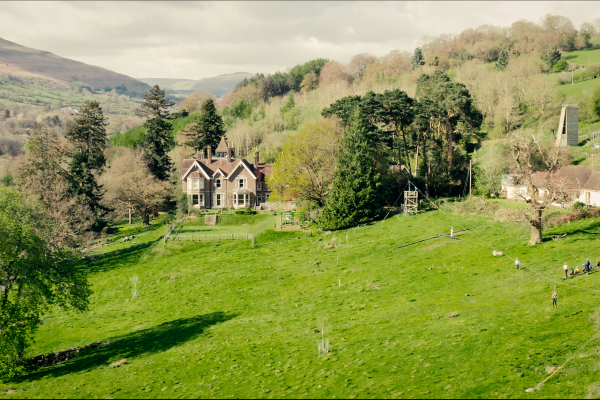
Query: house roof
x,y
573,176
593,182
219,171
222,145
200,167
245,164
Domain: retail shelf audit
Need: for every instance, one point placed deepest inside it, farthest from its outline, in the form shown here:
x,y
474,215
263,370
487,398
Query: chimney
x,y
209,155
200,155
256,159
229,154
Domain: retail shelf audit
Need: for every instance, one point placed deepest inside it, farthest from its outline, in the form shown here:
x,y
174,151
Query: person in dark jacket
x,y
587,265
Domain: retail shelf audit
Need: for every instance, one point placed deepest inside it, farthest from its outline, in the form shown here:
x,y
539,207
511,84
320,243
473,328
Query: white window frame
x,y
193,200
258,186
259,198
189,184
219,200
201,199
195,184
241,183
218,183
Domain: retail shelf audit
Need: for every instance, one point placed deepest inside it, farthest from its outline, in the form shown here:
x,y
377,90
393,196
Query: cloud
x,y
202,39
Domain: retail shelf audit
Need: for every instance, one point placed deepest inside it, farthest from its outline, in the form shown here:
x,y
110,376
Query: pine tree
x,y
417,58
87,135
207,132
289,104
503,59
158,140
356,195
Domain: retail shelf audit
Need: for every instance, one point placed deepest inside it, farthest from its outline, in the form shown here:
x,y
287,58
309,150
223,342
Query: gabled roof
x,y
245,164
222,145
220,171
200,168
593,182
573,176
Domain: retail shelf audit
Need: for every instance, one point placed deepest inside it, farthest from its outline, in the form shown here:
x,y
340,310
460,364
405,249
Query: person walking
x,y
587,265
517,263
566,268
554,299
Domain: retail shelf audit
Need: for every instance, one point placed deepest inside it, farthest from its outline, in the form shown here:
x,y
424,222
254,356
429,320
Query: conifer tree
x,y
87,135
356,195
207,132
289,104
417,58
503,59
158,140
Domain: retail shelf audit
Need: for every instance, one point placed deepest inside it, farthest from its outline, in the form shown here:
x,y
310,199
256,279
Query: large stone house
x,y
220,180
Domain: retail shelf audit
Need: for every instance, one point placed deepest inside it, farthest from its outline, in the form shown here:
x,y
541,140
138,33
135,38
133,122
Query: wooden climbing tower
x,y
411,199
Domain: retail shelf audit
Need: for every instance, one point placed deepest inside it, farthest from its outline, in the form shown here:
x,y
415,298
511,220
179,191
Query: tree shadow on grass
x,y
148,341
130,255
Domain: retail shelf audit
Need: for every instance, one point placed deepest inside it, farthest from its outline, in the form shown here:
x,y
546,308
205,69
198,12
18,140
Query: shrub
x,y
579,206
561,65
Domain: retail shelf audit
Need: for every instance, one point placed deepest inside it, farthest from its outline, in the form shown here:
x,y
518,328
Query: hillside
x,y
20,61
217,85
439,319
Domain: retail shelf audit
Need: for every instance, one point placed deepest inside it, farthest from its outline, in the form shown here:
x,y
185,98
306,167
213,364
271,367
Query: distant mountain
x,y
19,60
218,85
163,82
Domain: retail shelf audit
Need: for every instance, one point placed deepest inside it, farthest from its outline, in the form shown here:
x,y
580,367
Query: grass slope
x,y
583,57
233,321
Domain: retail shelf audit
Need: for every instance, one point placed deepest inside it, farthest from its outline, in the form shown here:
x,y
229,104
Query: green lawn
x,y
578,88
583,57
440,319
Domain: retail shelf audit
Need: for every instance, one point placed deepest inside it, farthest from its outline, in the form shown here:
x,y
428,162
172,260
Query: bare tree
x,y
537,165
359,63
132,188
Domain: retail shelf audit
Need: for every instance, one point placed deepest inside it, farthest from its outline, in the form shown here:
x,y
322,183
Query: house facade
x,y
590,193
572,178
220,180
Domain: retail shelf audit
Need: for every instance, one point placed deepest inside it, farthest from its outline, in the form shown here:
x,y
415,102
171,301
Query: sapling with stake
x,y
134,281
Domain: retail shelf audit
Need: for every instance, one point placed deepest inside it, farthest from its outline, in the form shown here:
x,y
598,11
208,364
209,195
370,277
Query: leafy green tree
x,y
552,56
503,59
417,58
158,138
87,135
309,82
356,195
207,132
596,103
289,104
34,276
559,66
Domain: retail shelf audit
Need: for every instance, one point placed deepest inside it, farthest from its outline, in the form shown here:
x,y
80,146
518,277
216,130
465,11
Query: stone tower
x,y
568,127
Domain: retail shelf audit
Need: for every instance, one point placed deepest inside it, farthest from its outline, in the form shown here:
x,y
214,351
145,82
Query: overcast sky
x,y
202,39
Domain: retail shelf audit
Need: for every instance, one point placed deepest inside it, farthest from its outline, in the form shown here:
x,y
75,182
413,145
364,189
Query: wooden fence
x,y
219,237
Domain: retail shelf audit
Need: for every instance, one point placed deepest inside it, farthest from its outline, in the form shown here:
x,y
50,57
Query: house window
x,y
194,199
240,199
259,197
201,200
258,186
218,200
218,183
240,183
195,184
189,184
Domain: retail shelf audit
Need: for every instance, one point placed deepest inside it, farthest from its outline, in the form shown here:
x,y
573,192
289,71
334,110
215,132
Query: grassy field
x,y
583,57
578,88
441,318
